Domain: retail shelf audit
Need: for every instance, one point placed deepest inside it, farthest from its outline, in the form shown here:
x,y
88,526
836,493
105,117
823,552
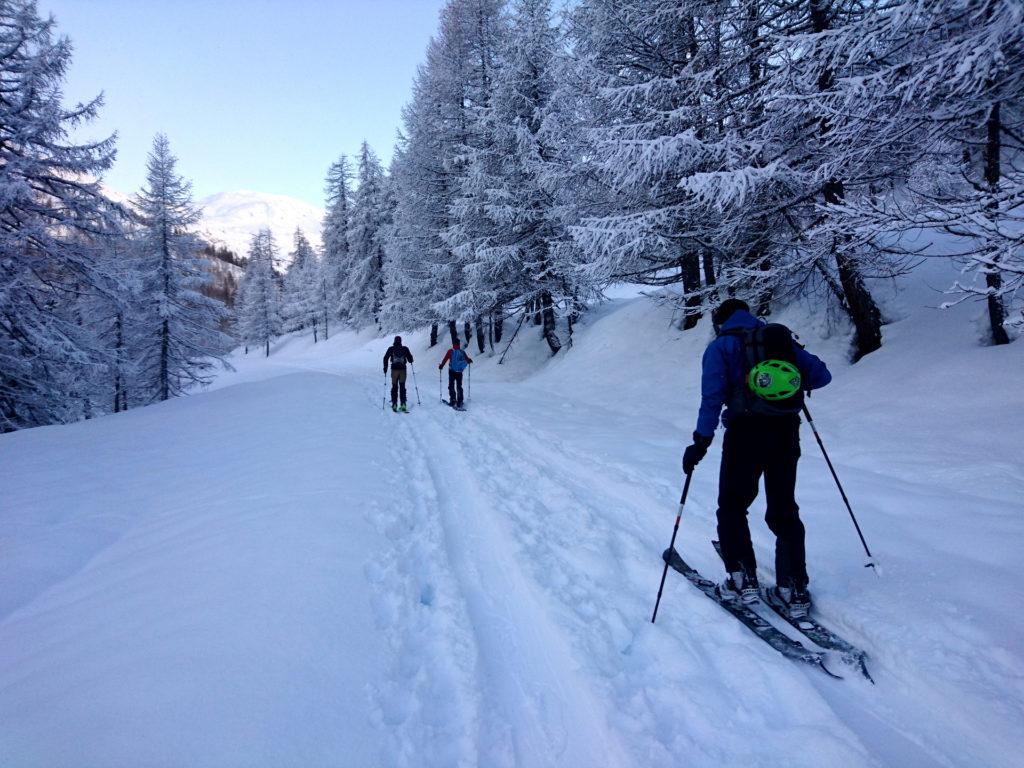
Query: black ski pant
x,y
454,382
397,385
754,446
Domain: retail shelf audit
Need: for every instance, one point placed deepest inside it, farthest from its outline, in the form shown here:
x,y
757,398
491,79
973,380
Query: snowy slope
x,y
232,218
276,572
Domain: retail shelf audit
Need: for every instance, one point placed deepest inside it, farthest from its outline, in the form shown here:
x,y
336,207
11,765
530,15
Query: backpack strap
x,y
753,348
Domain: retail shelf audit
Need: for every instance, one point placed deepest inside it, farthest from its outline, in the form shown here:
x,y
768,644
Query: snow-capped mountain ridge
x,y
231,219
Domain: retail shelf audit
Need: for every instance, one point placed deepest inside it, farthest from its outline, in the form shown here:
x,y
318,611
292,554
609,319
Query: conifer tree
x,y
509,231
336,263
258,306
176,327
48,259
301,283
364,288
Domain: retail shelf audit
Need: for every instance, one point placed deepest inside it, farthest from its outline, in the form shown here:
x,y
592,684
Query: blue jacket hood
x,y
723,369
741,318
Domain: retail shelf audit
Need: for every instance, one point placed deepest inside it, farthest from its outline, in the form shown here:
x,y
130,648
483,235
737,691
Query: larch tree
x,y
364,284
258,306
177,327
300,284
335,260
514,239
50,216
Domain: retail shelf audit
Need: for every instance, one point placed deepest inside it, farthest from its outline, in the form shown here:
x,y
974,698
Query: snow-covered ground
x,y
277,573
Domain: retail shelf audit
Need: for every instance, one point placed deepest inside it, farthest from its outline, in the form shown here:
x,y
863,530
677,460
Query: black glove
x,y
440,366
694,453
385,370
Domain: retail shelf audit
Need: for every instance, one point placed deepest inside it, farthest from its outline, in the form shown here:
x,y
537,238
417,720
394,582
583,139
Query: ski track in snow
x,y
431,700
517,609
519,554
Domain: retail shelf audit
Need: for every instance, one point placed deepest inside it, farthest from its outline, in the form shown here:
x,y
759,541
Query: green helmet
x,y
774,379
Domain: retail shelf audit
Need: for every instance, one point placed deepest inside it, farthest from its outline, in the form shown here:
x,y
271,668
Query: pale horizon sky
x,y
253,94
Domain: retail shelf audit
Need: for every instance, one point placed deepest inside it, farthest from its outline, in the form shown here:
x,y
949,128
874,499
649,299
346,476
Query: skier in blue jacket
x,y
758,441
459,360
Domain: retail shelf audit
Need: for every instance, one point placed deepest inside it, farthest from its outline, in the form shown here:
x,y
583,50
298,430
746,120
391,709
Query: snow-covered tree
x,y
441,127
931,91
176,326
301,286
422,196
48,258
646,61
335,260
364,283
258,305
508,230
716,157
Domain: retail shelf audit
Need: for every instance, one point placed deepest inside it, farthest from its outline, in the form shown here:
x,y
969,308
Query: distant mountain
x,y
230,219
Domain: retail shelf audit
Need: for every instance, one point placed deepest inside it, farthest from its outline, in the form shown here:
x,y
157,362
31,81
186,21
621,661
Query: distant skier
x,y
399,356
759,373
459,360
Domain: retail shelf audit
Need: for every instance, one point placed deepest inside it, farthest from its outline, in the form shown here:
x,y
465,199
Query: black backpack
x,y
769,342
398,357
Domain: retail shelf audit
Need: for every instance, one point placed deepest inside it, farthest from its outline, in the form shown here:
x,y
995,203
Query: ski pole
x,y
384,397
439,395
415,384
672,544
871,560
469,389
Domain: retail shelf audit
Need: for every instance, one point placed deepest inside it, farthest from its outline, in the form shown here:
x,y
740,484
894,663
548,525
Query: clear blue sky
x,y
253,94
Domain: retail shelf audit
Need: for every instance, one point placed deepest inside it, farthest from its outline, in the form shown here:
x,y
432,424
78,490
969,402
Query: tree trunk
x,y
537,312
994,280
548,314
499,324
861,307
467,333
481,341
708,262
689,265
118,381
165,342
268,348
453,331
433,335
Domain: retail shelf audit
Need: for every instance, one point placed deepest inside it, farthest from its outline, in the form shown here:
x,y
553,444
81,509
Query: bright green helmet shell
x,y
774,379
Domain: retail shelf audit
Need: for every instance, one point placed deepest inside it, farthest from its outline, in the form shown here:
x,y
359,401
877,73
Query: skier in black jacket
x,y
399,356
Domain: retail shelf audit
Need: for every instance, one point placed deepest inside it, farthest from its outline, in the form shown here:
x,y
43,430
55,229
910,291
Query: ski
x,y
781,642
454,406
818,634
821,636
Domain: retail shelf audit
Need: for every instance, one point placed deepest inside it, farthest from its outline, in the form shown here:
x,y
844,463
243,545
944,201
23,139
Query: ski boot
x,y
794,601
739,586
402,408
394,407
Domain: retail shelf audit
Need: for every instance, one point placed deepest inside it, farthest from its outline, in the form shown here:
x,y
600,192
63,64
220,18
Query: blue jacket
x,y
723,369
